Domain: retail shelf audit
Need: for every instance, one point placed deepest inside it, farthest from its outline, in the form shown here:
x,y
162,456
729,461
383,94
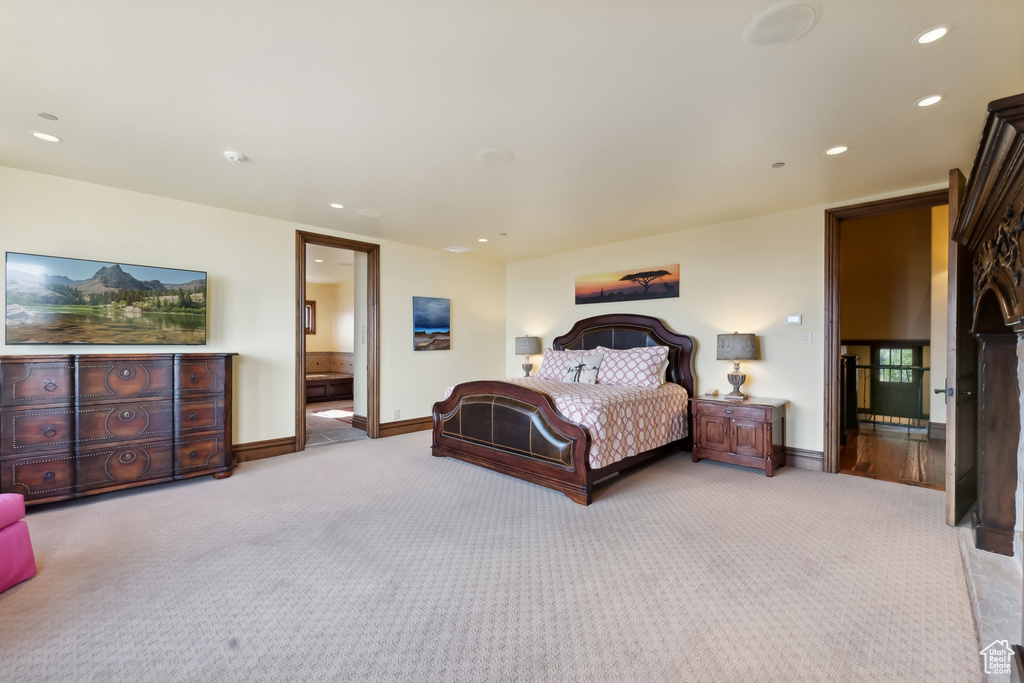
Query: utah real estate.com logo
x,y
998,656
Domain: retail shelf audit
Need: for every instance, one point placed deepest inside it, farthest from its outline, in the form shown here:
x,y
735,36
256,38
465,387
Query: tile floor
x,y
323,429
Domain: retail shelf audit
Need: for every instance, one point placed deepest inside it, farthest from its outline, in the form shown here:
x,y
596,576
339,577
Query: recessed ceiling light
x,y
482,239
318,260
370,213
778,164
48,117
337,206
45,136
929,101
457,249
836,150
933,34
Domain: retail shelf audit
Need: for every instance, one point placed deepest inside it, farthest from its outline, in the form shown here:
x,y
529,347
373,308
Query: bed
x,y
512,428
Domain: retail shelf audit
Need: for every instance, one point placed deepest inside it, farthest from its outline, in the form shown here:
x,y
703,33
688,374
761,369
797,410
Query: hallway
x,y
895,454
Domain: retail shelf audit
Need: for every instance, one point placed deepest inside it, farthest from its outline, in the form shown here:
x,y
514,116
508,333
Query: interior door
x,y
961,372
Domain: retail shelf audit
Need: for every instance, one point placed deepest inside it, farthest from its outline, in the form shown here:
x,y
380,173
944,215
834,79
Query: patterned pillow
x,y
583,369
555,364
639,367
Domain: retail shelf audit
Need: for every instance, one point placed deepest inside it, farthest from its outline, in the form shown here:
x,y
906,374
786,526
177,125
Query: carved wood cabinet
x,y
76,425
750,432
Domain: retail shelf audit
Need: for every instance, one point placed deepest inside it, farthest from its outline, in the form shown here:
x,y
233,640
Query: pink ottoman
x,y
17,562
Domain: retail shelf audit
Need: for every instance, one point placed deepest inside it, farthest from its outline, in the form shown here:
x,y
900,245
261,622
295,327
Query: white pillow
x,y
554,364
583,369
638,367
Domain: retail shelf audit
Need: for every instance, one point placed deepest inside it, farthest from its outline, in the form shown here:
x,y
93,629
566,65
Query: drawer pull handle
x,y
192,417
192,455
126,373
50,385
49,476
49,431
193,377
728,411
126,415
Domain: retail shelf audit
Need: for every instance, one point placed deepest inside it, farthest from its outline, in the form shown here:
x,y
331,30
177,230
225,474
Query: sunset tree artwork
x,y
657,282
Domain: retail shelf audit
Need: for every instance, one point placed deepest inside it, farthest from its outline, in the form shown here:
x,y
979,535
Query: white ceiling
x,y
329,265
626,118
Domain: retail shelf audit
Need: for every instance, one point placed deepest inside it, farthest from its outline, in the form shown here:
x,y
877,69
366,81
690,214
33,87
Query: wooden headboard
x,y
624,331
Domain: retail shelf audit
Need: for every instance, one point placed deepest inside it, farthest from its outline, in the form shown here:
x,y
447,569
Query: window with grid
x,y
894,365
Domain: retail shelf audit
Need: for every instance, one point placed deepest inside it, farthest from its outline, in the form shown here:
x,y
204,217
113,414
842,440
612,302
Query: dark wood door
x,y
961,372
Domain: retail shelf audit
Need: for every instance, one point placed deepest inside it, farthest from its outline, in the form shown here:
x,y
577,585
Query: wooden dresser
x,y
77,425
750,432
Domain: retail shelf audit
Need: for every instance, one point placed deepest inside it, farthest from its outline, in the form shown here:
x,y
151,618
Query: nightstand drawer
x,y
734,411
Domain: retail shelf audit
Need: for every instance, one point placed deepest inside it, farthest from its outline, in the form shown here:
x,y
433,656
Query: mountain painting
x,y
53,300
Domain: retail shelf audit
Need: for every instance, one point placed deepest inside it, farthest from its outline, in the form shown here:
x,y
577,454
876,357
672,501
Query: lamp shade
x,y
527,346
737,346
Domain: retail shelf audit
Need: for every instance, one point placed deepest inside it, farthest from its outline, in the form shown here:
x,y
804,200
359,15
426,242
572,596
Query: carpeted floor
x,y
373,561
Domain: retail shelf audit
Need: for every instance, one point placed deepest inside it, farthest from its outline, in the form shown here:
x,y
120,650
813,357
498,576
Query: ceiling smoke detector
x,y
782,24
234,157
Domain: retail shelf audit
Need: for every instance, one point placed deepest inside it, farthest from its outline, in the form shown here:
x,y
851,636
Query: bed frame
x,y
516,430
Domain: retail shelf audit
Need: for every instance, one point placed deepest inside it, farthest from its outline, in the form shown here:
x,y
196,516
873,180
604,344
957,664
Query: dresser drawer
x,y
48,381
51,476
127,421
109,377
204,415
201,374
25,431
124,464
198,455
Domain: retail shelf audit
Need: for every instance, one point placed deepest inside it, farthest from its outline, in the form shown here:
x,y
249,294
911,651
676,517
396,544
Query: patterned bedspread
x,y
622,421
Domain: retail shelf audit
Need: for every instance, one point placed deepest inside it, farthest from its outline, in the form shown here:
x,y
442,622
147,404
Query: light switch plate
x,y
794,319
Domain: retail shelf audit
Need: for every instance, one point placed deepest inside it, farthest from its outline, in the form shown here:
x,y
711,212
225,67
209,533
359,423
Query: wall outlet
x,y
396,414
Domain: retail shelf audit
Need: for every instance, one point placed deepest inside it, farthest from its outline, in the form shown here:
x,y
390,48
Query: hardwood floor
x,y
895,455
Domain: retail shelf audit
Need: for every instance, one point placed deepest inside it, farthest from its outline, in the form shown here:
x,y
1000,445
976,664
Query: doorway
x,y
364,389
892,287
842,421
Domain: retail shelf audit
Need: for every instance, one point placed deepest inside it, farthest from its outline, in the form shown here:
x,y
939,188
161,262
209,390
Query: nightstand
x,y
750,432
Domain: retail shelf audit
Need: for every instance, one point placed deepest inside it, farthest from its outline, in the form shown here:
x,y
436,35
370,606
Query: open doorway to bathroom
x,y
331,334
337,360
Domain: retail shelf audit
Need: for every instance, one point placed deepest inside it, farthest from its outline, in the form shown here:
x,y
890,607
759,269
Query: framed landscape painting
x,y
655,282
431,324
54,300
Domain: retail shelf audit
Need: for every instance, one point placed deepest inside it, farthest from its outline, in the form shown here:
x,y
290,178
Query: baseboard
x,y
937,430
359,422
803,459
417,424
257,450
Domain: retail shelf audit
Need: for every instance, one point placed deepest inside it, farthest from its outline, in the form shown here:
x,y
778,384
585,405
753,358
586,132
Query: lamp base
x,y
736,379
527,367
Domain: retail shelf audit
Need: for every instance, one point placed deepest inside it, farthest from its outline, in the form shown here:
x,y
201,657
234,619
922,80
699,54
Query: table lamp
x,y
736,347
527,346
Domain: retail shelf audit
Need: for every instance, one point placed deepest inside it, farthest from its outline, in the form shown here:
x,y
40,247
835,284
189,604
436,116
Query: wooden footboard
x,y
515,430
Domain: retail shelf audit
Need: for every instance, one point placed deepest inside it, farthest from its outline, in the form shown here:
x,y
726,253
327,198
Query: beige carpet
x,y
373,561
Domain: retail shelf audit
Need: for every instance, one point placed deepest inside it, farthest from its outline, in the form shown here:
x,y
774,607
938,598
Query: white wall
x,y
250,262
744,276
